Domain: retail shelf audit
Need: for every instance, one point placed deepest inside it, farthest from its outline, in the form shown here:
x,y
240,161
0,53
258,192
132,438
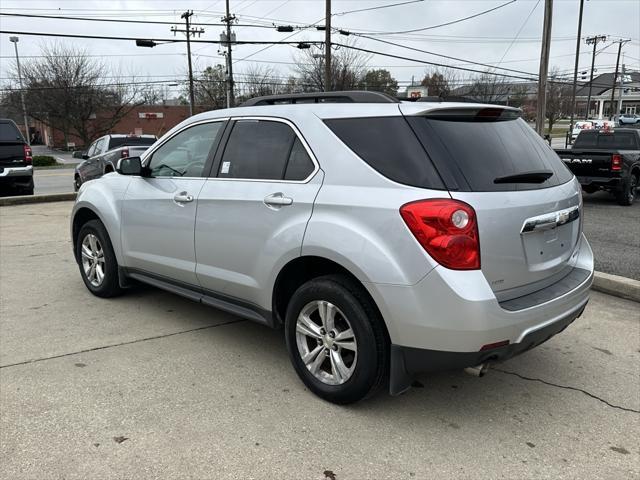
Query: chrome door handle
x,y
183,197
277,200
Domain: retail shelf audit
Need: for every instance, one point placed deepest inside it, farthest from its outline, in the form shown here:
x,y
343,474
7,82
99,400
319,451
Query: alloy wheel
x,y
93,263
326,342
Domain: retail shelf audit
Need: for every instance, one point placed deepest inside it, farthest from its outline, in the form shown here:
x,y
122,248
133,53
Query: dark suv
x,y
16,170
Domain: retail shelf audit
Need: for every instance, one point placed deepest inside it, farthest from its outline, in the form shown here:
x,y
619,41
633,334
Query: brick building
x,y
144,119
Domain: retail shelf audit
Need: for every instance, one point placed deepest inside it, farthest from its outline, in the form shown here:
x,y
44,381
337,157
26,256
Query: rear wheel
x,y
336,339
627,195
77,182
590,189
97,261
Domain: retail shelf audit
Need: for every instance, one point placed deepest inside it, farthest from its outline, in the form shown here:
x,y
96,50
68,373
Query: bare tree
x,y
68,90
380,80
210,87
440,82
348,67
259,80
488,88
558,98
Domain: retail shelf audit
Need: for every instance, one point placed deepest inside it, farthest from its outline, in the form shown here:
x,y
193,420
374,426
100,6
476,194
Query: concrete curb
x,y
54,197
617,286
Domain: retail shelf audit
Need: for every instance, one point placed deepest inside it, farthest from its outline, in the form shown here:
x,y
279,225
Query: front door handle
x,y
183,197
277,200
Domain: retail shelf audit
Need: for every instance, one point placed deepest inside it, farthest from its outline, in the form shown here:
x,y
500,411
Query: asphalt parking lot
x,y
150,385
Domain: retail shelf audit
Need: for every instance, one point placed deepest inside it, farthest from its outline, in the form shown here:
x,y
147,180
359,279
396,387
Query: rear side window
x,y
264,150
476,153
616,140
389,146
116,142
9,133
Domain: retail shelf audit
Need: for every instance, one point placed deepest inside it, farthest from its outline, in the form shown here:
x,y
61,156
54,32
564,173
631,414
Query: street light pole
x,y
15,40
228,19
327,47
544,67
621,42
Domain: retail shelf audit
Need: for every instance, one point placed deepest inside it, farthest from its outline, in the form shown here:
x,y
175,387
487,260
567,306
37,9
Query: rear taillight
x,y
447,230
28,156
616,162
124,153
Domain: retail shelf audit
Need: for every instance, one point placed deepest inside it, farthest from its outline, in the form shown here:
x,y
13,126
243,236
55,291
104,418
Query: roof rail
x,y
351,96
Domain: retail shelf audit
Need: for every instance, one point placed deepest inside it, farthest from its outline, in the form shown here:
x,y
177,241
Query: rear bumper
x,y
600,181
9,172
17,177
451,315
407,361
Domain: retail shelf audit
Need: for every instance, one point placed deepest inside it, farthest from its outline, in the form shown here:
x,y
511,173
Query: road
x,y
53,180
614,234
150,385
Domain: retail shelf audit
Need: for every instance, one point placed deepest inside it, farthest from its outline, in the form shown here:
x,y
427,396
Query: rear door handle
x,y
277,200
183,197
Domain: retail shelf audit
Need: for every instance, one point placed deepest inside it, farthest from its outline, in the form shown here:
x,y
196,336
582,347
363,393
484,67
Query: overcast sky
x,y
510,35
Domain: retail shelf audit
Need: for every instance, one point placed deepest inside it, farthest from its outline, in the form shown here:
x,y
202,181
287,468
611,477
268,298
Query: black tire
x,y
627,194
28,190
77,182
371,368
589,189
109,287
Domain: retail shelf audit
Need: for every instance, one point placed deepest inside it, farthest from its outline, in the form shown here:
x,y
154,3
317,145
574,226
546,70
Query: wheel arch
x,y
302,269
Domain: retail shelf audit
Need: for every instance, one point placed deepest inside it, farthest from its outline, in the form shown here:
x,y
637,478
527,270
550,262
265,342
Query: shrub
x,y
44,161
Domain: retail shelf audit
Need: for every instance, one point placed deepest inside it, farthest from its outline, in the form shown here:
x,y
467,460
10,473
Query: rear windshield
x,y
471,154
116,142
609,141
9,133
389,146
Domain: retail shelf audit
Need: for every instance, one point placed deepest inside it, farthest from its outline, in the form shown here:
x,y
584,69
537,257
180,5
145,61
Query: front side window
x,y
186,154
264,150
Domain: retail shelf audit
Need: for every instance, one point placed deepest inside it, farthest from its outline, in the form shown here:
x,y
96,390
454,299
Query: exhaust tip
x,y
478,371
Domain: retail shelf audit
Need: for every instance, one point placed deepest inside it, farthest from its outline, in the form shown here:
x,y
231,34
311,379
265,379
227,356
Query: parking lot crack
x,y
566,387
104,347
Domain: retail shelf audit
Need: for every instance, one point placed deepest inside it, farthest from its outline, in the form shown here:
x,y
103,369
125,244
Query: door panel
x,y
240,239
159,210
157,231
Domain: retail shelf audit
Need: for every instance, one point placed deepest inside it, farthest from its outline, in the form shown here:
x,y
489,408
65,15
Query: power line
x,y
166,40
379,7
519,31
448,23
471,62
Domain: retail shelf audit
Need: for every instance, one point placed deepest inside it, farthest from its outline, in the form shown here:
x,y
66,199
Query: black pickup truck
x,y
606,160
16,170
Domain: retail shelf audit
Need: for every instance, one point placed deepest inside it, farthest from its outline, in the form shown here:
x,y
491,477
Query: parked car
x,y
386,238
16,160
101,157
606,160
628,119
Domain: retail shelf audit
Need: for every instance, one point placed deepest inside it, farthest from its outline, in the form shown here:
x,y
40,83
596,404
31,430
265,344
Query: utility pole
x,y
327,47
15,40
615,79
621,85
229,38
592,40
575,68
189,31
544,67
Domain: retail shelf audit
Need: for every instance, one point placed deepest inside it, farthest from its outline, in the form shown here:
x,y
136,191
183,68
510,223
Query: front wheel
x,y
627,195
336,339
97,261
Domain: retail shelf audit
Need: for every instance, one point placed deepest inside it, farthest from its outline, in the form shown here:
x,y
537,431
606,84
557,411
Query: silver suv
x,y
387,238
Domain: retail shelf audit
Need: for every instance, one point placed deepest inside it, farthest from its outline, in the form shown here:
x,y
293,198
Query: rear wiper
x,y
537,176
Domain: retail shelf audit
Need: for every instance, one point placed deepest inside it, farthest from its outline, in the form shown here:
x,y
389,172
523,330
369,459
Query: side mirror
x,y
129,166
85,156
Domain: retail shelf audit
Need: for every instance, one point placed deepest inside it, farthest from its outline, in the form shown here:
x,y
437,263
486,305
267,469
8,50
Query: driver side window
x,y
186,153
